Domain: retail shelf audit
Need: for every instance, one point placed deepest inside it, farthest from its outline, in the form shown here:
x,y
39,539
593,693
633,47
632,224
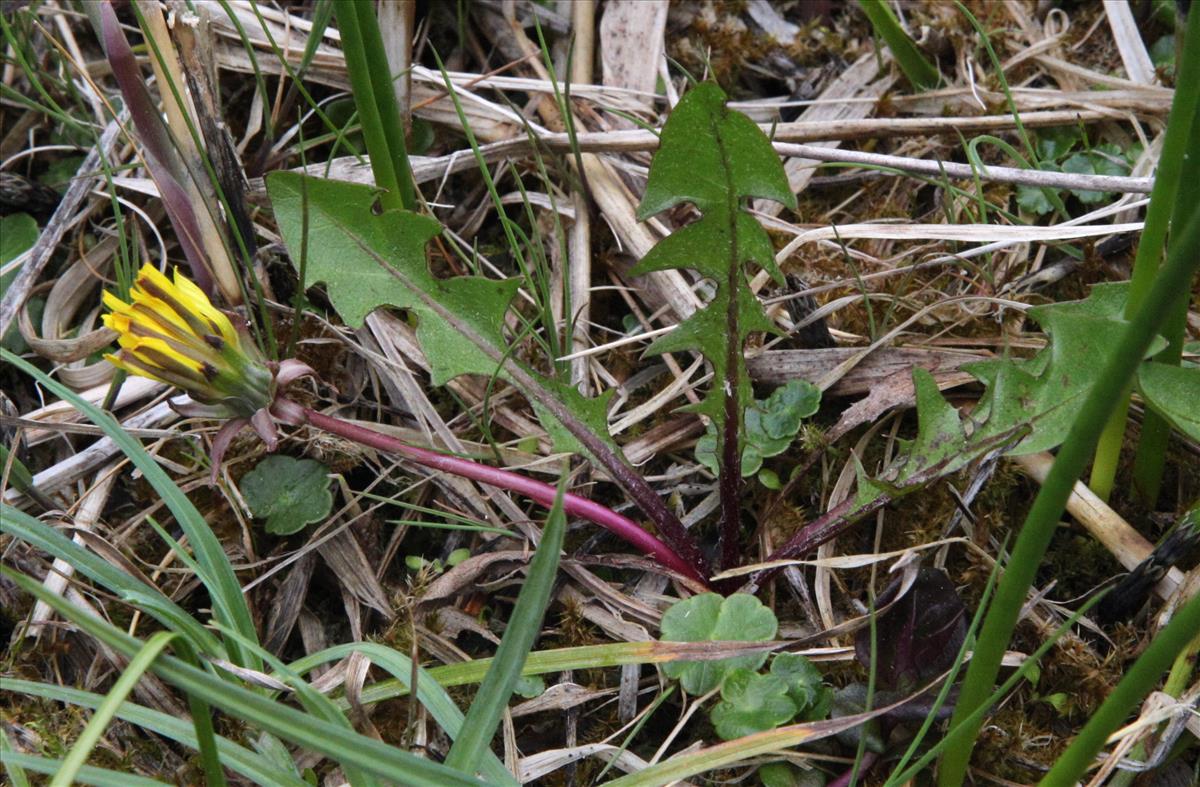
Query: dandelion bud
x,y
171,332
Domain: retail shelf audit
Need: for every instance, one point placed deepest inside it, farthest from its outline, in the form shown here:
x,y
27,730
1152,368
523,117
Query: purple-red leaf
x,y
156,141
919,636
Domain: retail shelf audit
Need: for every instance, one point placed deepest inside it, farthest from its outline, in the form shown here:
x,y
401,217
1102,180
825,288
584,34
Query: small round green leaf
x,y
769,479
708,618
784,774
529,686
1055,142
787,405
770,425
751,703
287,492
1100,160
802,678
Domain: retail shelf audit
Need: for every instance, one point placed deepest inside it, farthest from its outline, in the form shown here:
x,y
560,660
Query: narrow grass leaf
x,y
1176,276
145,597
317,705
922,74
483,717
350,18
68,772
215,571
255,766
344,746
202,723
613,654
88,774
1151,457
379,74
1170,200
15,771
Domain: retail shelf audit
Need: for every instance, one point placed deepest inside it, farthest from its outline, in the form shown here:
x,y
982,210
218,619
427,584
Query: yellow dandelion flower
x,y
171,332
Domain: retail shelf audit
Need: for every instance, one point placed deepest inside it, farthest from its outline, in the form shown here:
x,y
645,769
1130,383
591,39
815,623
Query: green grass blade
x,y
1137,683
344,746
252,765
1170,198
322,16
363,47
430,693
88,774
15,772
1151,457
202,725
315,704
1175,277
1178,140
484,714
614,654
145,597
228,602
380,74
82,748
922,74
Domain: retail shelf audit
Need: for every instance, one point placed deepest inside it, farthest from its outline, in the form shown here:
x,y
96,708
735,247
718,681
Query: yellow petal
x,y
115,321
139,345
151,372
137,370
149,310
157,291
116,361
168,312
197,351
193,296
148,319
127,340
113,302
155,277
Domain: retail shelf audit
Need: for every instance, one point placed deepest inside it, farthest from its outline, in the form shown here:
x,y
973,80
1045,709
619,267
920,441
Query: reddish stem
x,y
539,492
868,760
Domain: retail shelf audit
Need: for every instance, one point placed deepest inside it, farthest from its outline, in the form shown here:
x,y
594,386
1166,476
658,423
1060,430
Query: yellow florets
x,y
172,333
